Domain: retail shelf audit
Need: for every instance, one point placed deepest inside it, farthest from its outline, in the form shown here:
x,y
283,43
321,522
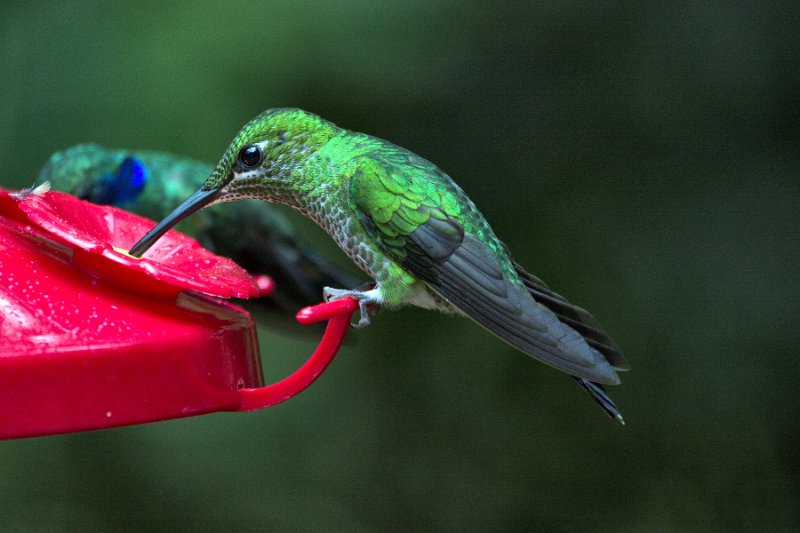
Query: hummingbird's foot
x,y
368,302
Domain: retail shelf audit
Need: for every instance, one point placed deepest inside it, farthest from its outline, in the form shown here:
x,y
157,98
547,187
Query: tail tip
x,y
599,395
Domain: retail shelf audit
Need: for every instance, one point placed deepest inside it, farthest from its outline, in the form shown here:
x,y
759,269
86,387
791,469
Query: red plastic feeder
x,y
92,338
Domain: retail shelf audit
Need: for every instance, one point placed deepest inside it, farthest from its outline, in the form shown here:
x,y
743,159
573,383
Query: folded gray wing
x,y
466,272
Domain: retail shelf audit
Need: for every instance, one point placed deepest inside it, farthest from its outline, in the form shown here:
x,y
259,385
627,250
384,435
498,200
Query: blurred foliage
x,y
641,158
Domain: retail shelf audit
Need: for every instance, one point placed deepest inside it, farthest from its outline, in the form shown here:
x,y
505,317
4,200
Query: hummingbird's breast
x,y
333,216
326,201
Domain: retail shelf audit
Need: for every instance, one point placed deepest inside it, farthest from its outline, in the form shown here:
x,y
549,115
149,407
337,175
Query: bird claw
x,y
364,319
366,299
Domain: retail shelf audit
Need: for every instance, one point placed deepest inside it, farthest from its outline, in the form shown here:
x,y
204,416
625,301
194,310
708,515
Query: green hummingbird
x,y
254,234
412,229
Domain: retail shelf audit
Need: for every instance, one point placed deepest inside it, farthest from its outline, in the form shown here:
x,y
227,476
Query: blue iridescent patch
x,y
123,187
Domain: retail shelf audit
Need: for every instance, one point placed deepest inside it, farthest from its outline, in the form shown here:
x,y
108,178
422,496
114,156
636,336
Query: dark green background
x,y
644,161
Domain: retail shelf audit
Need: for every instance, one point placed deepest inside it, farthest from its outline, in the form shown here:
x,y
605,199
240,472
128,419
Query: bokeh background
x,y
643,159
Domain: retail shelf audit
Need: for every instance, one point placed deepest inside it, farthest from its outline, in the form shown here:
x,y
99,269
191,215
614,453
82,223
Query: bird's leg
x,y
369,301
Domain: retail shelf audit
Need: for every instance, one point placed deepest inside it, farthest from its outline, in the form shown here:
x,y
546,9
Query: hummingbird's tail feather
x,y
575,317
602,398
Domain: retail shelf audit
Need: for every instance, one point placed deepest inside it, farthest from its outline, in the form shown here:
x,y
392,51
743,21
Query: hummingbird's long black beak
x,y
194,203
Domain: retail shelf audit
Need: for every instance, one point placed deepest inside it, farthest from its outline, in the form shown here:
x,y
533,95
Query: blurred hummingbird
x,y
254,234
412,229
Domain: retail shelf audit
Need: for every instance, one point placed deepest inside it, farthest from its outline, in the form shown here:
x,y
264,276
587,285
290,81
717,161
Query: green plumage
x,y
413,230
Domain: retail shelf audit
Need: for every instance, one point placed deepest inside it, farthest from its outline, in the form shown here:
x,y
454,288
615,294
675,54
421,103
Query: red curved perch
x,y
338,315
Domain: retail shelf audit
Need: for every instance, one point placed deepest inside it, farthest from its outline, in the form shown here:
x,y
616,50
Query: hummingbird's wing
x,y
422,220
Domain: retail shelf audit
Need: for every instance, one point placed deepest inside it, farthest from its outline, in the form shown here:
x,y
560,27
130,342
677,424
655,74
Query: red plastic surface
x,y
338,315
101,235
78,352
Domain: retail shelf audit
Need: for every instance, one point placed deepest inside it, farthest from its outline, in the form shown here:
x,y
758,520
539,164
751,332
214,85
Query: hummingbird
x,y
254,234
413,230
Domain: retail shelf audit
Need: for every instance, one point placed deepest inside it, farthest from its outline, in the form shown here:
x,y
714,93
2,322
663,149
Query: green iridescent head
x,y
257,164
76,169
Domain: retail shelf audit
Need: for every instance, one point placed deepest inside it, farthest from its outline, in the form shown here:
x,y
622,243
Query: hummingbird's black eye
x,y
250,156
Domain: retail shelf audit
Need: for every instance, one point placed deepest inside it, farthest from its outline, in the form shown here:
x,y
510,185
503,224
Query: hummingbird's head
x,y
71,169
96,174
259,163
260,159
